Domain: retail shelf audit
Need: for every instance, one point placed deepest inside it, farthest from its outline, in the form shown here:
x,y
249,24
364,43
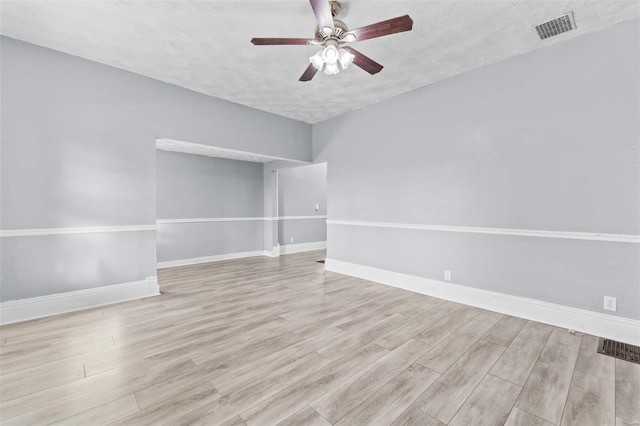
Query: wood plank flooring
x,y
264,341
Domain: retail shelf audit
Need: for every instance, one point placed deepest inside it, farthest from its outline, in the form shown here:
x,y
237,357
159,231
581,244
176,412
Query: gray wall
x,y
547,140
78,149
270,181
299,189
194,186
41,265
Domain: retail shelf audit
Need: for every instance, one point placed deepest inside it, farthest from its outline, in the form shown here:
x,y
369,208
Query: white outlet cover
x,y
610,304
291,239
447,275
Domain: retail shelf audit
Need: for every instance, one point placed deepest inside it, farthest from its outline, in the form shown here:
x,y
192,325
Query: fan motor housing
x,y
340,28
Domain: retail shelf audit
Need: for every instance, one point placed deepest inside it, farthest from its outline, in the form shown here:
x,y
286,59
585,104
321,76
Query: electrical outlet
x,y
291,239
610,303
317,206
447,275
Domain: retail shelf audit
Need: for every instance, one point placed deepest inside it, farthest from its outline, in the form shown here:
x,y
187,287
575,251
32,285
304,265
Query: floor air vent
x,y
556,26
619,350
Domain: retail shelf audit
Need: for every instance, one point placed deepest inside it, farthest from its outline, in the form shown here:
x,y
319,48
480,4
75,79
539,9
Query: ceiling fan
x,y
333,35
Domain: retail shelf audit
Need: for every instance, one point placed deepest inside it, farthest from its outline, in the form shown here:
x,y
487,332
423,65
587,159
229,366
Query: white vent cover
x,y
556,26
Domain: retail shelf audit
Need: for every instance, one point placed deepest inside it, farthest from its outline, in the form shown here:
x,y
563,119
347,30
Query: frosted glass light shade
x,y
330,54
332,59
317,60
345,58
331,69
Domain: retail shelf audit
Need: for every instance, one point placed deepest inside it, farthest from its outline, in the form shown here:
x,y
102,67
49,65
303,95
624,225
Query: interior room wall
x,y
78,152
207,207
547,141
270,182
299,190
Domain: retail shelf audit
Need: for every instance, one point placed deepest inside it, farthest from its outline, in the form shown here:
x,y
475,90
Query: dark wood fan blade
x,y
364,62
379,29
322,10
308,74
279,41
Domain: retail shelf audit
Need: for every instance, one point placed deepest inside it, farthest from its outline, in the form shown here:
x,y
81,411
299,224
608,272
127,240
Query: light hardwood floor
x,y
265,341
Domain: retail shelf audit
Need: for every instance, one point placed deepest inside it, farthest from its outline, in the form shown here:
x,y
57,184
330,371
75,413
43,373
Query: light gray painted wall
x,y
78,137
191,186
191,240
78,149
270,181
569,272
194,186
302,231
299,189
547,140
38,266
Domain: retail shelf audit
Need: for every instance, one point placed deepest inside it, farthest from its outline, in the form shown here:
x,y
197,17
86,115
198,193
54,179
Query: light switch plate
x,y
610,304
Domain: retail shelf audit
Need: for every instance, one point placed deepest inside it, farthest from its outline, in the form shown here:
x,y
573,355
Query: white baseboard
x,y
54,304
275,252
594,323
216,258
299,248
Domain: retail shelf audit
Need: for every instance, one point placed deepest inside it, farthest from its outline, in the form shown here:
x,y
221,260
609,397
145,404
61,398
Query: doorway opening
x,y
302,208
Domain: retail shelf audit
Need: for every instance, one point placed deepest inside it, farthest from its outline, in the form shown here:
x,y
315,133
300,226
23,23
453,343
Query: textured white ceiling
x,y
213,151
204,45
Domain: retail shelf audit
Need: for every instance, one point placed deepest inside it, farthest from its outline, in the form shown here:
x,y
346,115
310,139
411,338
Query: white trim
x,y
275,252
235,219
216,258
595,323
617,238
298,217
299,248
5,233
165,144
211,219
54,304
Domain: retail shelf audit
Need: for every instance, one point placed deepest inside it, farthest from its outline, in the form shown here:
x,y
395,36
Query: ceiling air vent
x,y
556,26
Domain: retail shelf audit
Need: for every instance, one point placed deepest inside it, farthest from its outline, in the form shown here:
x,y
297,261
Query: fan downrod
x,y
335,7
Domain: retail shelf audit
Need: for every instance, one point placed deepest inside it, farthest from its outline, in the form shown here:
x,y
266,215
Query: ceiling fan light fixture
x,y
327,31
317,60
331,69
332,59
332,33
330,54
349,37
345,58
